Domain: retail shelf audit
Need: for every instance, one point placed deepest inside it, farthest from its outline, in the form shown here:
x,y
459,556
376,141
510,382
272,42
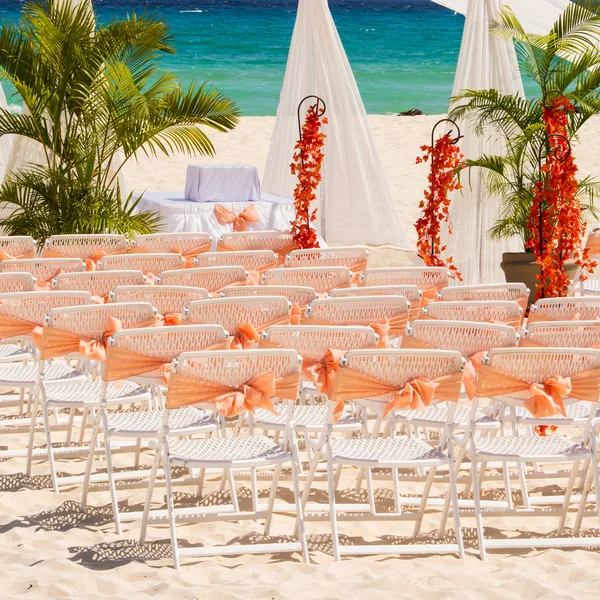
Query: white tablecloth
x,y
180,215
222,183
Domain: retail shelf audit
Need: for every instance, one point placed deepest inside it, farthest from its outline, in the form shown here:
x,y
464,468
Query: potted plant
x,y
521,127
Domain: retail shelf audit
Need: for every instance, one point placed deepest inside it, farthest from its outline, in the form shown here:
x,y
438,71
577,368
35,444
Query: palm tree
x,y
94,99
564,62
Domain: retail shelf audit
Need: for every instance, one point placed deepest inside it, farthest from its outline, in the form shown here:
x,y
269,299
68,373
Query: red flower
x,y
446,162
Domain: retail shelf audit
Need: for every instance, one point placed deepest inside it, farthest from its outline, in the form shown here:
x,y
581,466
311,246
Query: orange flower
x,y
446,162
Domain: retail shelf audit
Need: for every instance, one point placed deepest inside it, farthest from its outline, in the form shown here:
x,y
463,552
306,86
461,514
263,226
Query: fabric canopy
x,y
487,62
354,200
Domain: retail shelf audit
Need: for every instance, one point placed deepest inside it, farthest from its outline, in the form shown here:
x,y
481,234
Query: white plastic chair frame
x,y
149,264
165,298
423,277
251,260
233,369
353,257
586,308
17,245
170,242
320,279
213,279
16,282
43,269
494,291
491,311
296,295
86,245
255,240
98,283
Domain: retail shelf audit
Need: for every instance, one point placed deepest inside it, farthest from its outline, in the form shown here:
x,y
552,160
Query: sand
x,y
49,549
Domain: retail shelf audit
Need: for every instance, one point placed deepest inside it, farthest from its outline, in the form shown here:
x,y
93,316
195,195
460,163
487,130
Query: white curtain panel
x,y
354,200
485,62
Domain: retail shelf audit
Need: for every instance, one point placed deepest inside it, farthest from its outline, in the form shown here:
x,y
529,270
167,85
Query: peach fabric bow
x,y
240,222
430,294
322,371
168,319
545,399
6,256
416,393
382,329
188,255
232,401
101,299
47,285
245,336
255,274
57,342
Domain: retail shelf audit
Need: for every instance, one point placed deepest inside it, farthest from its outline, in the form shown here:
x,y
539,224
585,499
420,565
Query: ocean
x,y
403,52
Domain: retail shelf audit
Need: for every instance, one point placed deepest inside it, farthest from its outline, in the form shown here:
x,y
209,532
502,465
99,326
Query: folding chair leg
x,y
200,483
111,476
299,528
48,433
149,491
423,503
507,490
70,427
272,496
32,425
84,418
332,509
234,498
477,503
582,503
455,509
89,462
171,509
566,501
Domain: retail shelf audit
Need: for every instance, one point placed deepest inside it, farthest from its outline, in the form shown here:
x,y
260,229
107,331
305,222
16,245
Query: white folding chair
x,y
213,279
89,247
517,292
44,270
149,264
280,242
16,282
98,283
320,279
17,246
189,245
300,296
212,374
586,308
503,312
353,257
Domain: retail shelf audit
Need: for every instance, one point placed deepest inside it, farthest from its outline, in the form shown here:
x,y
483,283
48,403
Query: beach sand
x,y
49,549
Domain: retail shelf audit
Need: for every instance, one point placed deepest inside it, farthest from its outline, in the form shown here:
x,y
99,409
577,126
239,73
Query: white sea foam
x,y
194,10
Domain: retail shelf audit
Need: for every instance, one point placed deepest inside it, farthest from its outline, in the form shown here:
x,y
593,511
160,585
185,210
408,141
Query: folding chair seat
x,y
320,279
245,318
430,280
410,292
380,380
14,247
213,279
256,262
586,308
280,242
492,311
189,245
98,283
44,270
149,264
228,381
541,380
89,247
169,301
517,292
387,315
353,257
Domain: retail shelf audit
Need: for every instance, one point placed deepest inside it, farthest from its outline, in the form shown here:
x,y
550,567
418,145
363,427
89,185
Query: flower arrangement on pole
x,y
556,223
306,165
445,159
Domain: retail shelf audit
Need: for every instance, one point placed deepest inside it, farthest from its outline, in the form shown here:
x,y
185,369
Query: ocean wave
x,y
194,10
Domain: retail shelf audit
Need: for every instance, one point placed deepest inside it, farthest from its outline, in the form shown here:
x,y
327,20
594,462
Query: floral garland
x,y
308,159
446,162
556,225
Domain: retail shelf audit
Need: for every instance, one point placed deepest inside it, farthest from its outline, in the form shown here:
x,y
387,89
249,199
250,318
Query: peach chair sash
x,y
232,401
322,371
173,318
122,363
13,327
593,245
47,285
522,302
6,256
240,222
296,314
430,294
416,393
245,336
254,274
90,263
545,399
188,255
57,342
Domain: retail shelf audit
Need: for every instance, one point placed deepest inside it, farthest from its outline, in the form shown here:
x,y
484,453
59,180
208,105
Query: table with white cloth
x,y
222,183
182,216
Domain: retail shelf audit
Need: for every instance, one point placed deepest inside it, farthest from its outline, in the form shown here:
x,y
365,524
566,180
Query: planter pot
x,y
520,267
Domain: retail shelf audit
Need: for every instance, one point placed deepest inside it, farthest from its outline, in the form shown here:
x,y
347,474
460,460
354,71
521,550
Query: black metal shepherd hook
x,y
320,108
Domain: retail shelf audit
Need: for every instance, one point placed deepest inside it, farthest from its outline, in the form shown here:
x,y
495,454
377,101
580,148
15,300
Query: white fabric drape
x,y
486,62
355,203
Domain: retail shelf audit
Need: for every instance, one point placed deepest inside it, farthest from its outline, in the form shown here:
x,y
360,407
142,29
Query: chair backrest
x,y
353,257
43,269
260,311
359,310
585,308
34,306
411,292
465,337
171,242
98,283
493,311
165,298
320,279
146,263
562,334
425,278
16,282
536,365
312,341
276,241
92,321
85,246
234,368
17,246
497,291
164,343
213,279
251,260
399,366
296,295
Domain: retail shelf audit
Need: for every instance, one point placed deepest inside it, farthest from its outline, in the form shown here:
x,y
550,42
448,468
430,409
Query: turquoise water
x,y
403,52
